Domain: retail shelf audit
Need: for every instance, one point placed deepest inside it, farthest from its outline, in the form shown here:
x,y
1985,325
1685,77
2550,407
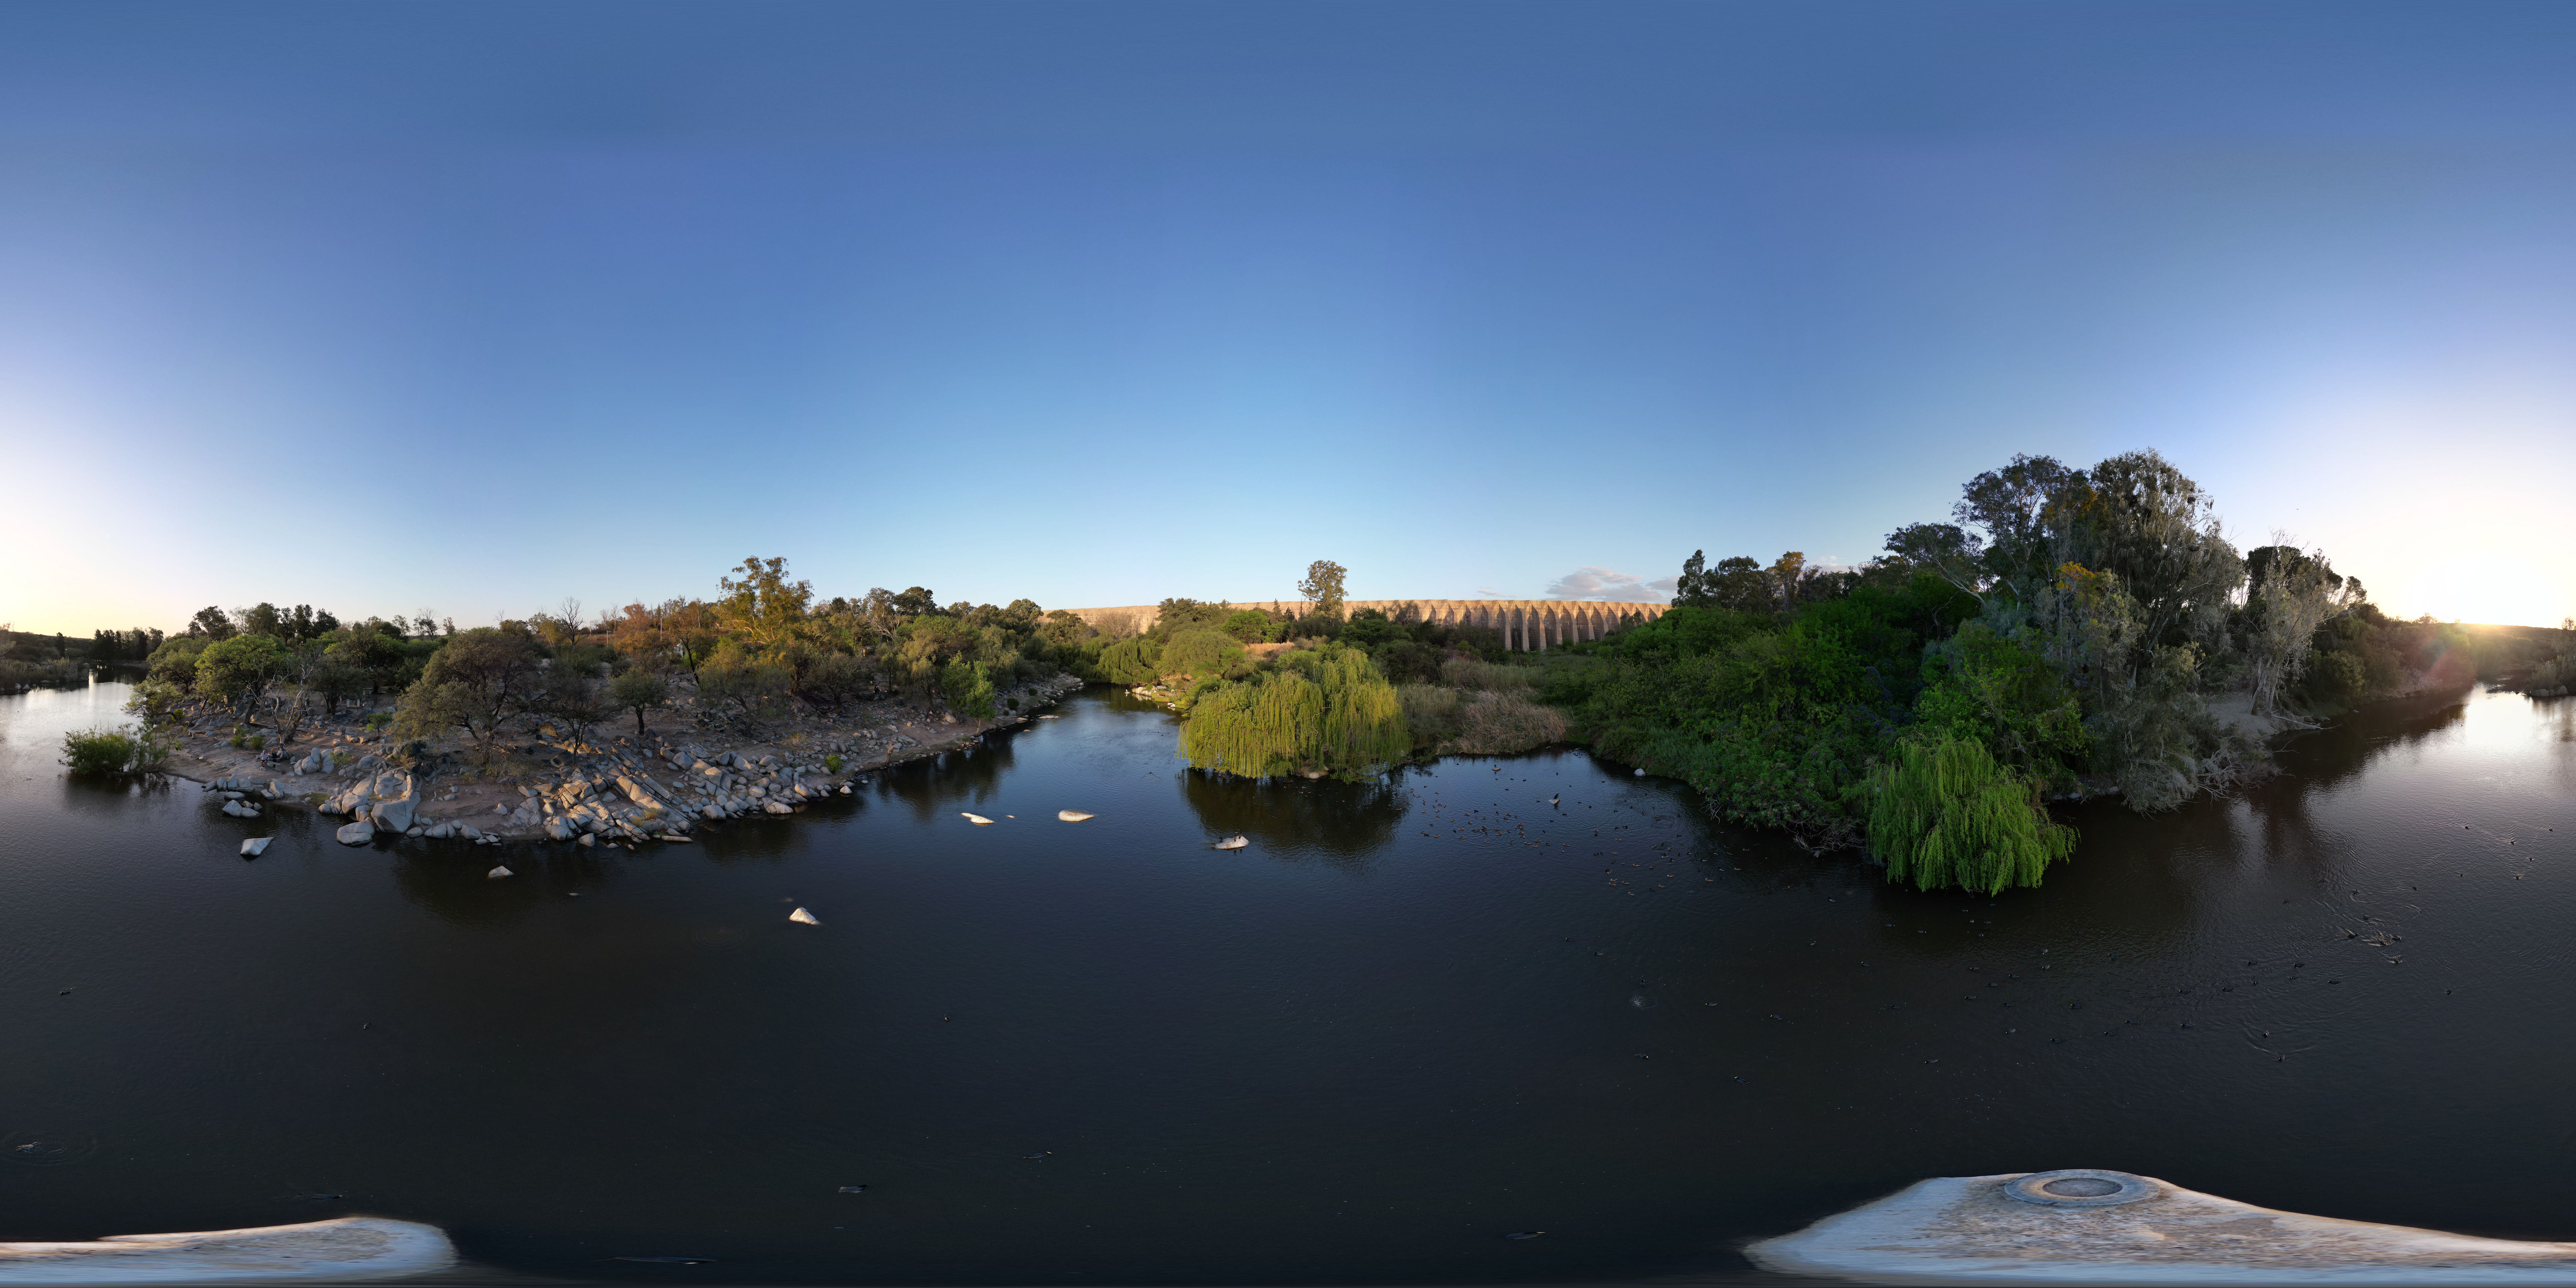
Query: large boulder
x,y
395,798
358,833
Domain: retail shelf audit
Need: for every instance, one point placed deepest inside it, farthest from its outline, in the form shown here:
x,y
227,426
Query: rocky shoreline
x,y
688,768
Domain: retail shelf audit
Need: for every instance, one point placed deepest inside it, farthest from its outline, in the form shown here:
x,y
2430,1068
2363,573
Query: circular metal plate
x,y
2080,1187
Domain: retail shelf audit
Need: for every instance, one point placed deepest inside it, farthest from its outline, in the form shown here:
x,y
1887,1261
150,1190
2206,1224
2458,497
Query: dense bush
x,y
1774,717
103,751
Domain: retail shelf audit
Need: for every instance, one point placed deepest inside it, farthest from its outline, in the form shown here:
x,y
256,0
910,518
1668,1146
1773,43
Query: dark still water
x,y
1405,1022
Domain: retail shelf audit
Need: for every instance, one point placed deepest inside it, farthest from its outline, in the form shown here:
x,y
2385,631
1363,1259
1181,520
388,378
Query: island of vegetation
x,y
2066,633
637,726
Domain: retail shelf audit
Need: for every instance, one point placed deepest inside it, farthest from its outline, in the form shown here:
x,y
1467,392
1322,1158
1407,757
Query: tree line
x,y
764,645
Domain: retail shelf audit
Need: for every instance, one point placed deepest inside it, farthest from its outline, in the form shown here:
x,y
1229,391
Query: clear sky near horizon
x,y
471,307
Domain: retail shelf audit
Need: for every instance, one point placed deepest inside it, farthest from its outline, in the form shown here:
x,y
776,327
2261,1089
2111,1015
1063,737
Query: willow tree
x,y
1944,813
1260,727
1321,712
1363,717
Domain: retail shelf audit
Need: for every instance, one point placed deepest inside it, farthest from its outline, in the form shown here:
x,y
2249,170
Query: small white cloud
x,y
1489,592
1594,582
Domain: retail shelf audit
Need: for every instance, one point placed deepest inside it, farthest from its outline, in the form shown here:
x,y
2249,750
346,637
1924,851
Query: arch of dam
x,y
1525,624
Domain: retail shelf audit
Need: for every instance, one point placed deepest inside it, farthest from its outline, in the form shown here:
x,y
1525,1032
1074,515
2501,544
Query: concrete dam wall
x,y
1525,624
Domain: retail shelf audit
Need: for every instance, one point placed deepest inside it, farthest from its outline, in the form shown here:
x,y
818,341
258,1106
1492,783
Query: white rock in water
x,y
802,917
254,847
498,873
976,819
2099,1227
358,833
344,1250
1071,815
1641,773
1234,842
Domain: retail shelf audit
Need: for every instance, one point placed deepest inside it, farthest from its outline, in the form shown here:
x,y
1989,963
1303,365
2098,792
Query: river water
x,y
1408,1020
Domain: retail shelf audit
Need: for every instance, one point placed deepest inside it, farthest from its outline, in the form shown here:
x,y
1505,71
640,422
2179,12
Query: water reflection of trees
x,y
104,797
2283,805
454,884
2343,751
1345,823
937,786
2558,717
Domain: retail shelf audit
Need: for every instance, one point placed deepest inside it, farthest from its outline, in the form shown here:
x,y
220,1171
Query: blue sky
x,y
473,307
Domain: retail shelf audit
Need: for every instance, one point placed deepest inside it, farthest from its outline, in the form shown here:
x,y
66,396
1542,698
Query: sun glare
x,y
2491,589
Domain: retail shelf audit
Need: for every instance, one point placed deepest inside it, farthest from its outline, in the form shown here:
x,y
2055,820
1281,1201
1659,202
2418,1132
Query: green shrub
x,y
832,764
101,751
1943,812
379,720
